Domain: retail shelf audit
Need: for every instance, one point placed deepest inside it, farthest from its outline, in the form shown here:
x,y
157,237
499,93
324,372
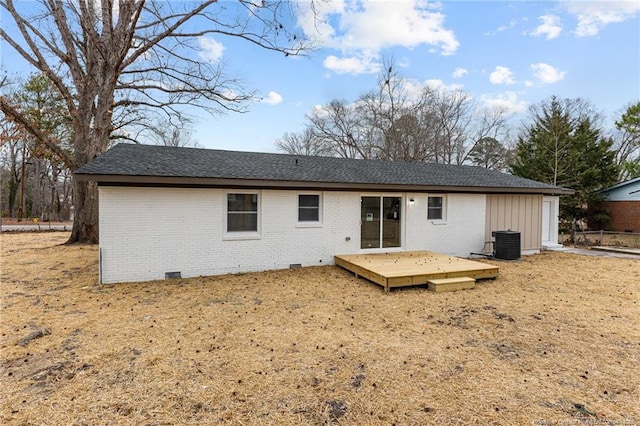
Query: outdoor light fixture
x,y
411,201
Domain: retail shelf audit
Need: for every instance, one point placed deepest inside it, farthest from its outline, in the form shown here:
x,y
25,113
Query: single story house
x,y
167,211
622,202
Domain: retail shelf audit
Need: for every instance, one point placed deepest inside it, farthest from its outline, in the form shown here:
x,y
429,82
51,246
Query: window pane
x,y
370,222
239,222
308,208
309,200
242,212
391,221
434,209
435,202
242,202
308,214
434,214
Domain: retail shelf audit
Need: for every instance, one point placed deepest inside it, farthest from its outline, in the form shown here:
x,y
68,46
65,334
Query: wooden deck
x,y
412,267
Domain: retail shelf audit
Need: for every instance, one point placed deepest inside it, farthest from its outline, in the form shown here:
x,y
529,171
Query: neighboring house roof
x,y
624,191
130,164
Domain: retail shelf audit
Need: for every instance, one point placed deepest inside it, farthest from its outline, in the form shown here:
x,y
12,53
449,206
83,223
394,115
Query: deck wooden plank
x,y
401,269
451,284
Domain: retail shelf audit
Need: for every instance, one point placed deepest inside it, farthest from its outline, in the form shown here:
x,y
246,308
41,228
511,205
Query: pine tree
x,y
562,146
628,147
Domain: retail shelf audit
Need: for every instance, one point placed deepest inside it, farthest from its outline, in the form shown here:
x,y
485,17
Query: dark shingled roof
x,y
150,164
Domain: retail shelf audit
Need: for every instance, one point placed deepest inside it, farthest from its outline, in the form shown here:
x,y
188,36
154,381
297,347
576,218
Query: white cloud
x,y
547,74
460,72
502,28
507,101
361,29
414,88
501,75
273,98
550,27
315,20
210,49
352,65
593,16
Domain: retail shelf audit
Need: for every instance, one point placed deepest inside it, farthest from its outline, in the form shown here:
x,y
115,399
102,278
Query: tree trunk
x,y
85,223
36,189
88,144
13,195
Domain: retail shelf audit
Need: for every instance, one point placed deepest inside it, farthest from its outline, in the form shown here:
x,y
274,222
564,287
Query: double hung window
x,y
242,212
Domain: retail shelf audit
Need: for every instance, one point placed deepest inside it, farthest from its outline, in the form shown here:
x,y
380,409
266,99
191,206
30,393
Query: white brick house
x,y
206,212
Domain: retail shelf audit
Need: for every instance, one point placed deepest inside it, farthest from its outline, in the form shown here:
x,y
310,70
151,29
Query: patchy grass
x,y
555,338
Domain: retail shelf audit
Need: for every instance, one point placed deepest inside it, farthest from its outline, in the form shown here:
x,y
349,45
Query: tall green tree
x,y
33,182
628,146
43,104
562,145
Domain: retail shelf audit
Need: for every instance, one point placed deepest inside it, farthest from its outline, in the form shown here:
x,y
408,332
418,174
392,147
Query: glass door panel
x,y
391,222
370,222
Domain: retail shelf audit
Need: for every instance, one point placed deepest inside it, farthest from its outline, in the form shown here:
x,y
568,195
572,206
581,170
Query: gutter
x,y
203,182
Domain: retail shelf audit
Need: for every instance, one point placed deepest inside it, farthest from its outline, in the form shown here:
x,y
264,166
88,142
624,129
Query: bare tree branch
x,y
108,57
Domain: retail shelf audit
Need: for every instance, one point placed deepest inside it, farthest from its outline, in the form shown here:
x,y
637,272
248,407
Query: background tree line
x,y
122,67
561,142
394,122
36,183
110,70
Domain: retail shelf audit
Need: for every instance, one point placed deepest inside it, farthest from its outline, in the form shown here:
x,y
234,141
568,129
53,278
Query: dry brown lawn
x,y
554,340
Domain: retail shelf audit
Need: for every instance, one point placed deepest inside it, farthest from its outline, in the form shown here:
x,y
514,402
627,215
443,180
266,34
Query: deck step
x,y
451,284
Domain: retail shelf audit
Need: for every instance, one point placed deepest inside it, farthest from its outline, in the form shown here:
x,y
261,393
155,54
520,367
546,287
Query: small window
x,y
435,208
242,212
308,208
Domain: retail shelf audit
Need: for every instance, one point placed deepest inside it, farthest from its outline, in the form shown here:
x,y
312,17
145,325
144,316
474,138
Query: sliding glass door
x,y
380,222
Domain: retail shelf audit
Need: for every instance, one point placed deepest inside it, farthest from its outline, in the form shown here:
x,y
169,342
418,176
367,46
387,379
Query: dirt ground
x,y
555,339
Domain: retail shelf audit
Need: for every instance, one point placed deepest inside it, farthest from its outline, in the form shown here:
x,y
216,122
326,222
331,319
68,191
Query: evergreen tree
x,y
628,155
563,146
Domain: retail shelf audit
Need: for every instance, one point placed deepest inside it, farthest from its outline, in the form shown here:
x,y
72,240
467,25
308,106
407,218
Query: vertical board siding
x,y
521,213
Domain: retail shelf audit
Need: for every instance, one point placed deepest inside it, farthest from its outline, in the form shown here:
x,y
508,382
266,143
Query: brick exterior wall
x,y
145,232
625,215
459,234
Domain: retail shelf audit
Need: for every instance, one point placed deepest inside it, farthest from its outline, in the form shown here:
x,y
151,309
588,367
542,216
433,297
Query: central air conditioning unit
x,y
506,245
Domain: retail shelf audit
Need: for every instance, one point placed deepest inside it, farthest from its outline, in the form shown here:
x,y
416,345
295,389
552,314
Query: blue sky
x,y
507,53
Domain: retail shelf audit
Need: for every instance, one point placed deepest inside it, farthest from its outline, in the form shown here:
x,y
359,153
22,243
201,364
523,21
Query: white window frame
x,y
309,224
242,235
443,219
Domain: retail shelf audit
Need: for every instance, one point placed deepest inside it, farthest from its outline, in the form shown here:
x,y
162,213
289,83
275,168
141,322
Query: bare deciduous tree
x,y
12,149
304,143
167,133
338,126
124,59
390,123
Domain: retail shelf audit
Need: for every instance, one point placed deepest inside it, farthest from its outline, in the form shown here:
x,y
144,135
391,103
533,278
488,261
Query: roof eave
x,y
202,182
